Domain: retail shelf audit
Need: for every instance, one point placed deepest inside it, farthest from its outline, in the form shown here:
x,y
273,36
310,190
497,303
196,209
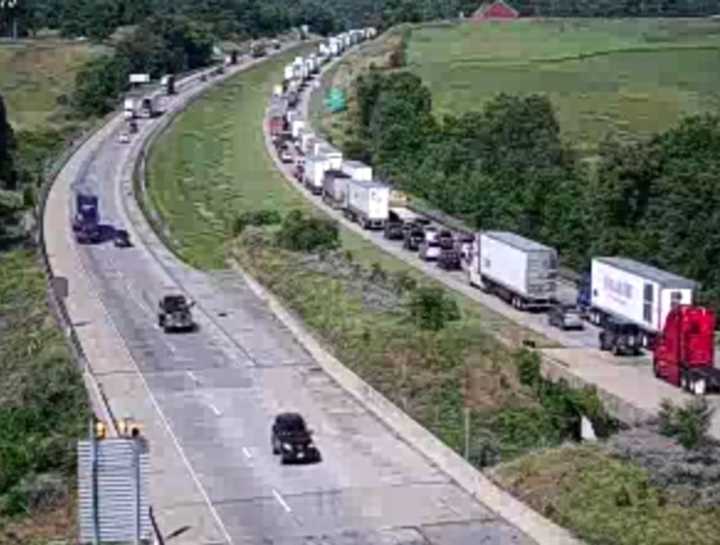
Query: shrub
x,y
688,424
430,308
403,282
377,273
256,218
307,234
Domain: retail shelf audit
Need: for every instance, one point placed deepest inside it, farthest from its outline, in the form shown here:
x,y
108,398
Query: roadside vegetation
x,y
43,409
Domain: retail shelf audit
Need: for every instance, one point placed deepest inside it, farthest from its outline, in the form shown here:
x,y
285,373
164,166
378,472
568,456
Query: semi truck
x,y
358,171
168,81
368,203
86,220
130,108
632,291
150,106
516,269
333,155
295,127
314,175
684,352
335,189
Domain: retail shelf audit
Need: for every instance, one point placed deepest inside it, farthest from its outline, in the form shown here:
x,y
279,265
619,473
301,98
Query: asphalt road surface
x,y
219,388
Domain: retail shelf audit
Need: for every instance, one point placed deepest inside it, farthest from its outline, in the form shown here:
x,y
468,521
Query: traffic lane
x,y
206,418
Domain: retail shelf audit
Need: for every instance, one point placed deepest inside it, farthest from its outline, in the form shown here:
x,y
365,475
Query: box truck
x,y
335,189
368,203
295,127
315,168
632,291
131,107
357,170
288,72
519,270
684,353
333,154
86,220
307,138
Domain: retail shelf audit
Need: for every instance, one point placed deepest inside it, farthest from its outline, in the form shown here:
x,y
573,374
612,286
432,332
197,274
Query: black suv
x,y
292,439
449,260
174,313
414,236
122,239
620,337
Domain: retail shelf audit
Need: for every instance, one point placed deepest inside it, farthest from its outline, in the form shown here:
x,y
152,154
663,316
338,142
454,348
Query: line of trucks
x,y
635,306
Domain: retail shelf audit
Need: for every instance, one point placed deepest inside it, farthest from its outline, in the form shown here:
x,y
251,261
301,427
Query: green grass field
x,y
630,77
33,74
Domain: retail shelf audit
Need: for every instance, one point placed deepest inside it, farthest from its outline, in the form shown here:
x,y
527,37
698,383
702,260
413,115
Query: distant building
x,y
497,10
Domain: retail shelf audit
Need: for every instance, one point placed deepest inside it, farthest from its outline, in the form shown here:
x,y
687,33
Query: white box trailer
x,y
131,106
519,270
334,47
368,203
358,170
635,292
333,154
295,127
306,140
288,72
335,189
315,168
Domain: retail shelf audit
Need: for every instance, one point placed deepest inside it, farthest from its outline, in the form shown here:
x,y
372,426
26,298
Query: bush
x,y
688,424
430,308
307,234
256,218
403,282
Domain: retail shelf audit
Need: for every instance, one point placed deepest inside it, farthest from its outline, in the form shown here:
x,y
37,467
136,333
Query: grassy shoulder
x,y
606,499
37,79
43,409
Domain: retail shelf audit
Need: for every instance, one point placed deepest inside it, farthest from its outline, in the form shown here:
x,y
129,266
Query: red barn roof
x,y
495,10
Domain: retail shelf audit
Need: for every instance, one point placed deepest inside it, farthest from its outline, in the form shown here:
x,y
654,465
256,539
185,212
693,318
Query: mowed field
x,y
628,77
34,74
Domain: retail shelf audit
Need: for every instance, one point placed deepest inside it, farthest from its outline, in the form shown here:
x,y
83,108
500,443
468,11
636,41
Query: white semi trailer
x,y
335,189
368,203
358,170
519,270
637,293
333,154
315,168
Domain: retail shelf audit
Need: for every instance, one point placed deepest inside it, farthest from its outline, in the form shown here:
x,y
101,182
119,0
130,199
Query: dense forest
x,y
248,18
506,167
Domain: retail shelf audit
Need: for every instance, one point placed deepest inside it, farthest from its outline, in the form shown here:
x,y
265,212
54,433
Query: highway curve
x,y
206,399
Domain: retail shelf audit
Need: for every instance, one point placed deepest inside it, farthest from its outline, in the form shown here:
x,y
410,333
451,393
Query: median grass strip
x,y
43,409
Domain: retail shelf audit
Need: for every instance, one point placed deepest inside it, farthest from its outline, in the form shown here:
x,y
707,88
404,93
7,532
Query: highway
x,y
207,399
626,384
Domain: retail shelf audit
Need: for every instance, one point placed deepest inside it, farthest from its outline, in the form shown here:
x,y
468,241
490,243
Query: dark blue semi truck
x,y
86,221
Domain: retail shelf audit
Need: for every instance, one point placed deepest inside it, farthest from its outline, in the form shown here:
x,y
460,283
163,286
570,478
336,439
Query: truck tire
x,y
602,342
684,383
656,369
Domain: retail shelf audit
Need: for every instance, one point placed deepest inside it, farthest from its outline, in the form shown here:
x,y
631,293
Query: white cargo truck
x,y
131,107
635,292
295,127
315,168
358,171
335,189
333,154
368,203
306,139
288,72
334,46
520,271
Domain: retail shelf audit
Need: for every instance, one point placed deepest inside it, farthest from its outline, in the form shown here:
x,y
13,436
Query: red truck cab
x,y
684,354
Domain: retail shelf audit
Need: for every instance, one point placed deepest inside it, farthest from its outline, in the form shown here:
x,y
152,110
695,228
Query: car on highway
x,y
413,237
620,337
429,251
286,156
450,260
124,138
565,317
122,239
292,440
174,313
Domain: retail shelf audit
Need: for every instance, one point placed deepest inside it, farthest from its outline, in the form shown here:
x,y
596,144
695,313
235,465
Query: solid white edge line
x,y
281,501
156,405
214,409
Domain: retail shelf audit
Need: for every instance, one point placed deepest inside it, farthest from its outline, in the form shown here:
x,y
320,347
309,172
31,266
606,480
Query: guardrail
x,y
55,302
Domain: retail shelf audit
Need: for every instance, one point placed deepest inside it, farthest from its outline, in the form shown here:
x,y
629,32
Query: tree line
x,y
507,167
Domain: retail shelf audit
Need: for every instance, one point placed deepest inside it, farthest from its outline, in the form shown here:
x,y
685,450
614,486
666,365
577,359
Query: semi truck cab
x,y
684,353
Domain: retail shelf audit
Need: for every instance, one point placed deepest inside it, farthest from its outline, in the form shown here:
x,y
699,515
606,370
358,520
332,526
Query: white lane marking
x,y
281,501
247,453
193,377
214,409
